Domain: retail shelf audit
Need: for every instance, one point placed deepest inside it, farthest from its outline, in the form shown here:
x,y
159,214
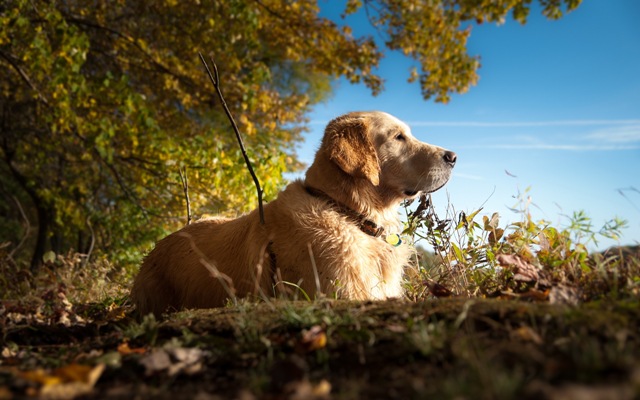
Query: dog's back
x,y
198,266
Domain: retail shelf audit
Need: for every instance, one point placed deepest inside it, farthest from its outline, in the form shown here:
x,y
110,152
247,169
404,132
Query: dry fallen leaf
x,y
66,382
40,376
395,328
5,393
188,360
313,339
522,270
79,373
563,294
8,352
156,361
575,391
305,390
527,334
535,295
124,349
173,361
438,290
116,312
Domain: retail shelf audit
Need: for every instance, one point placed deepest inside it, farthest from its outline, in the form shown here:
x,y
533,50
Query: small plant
x,y
147,329
474,256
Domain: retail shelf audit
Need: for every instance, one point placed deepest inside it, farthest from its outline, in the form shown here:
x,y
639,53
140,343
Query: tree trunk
x,y
44,215
41,240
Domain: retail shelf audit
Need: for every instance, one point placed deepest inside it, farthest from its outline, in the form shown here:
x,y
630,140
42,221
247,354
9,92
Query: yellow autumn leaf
x,y
41,376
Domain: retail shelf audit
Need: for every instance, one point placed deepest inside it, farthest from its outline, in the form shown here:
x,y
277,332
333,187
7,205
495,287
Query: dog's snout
x,y
450,157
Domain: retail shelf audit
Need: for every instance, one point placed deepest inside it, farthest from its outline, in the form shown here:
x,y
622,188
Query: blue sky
x,y
557,106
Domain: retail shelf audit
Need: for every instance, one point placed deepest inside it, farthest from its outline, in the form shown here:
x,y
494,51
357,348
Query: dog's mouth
x,y
438,188
413,193
410,193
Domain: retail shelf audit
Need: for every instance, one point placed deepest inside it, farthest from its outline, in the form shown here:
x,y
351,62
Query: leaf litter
x,y
328,349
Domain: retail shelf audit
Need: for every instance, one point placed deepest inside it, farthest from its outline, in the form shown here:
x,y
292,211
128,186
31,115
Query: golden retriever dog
x,y
334,233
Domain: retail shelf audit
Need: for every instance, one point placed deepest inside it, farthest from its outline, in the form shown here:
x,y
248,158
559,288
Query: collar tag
x,y
393,239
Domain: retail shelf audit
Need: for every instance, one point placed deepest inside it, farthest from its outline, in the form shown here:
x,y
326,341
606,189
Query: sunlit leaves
x,y
435,34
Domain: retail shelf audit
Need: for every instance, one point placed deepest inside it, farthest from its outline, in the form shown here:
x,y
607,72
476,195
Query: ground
x,y
444,348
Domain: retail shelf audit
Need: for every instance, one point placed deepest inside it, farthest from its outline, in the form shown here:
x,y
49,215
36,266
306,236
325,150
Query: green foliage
x,y
435,33
146,329
102,105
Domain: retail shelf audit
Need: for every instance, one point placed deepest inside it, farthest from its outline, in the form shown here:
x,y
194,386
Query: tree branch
x,y
129,39
27,226
216,83
23,75
185,187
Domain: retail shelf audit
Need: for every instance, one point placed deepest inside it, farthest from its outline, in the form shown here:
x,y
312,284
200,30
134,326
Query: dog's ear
x,y
347,142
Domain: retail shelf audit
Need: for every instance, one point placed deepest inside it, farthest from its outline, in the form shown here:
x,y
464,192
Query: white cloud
x,y
520,124
614,135
618,134
561,147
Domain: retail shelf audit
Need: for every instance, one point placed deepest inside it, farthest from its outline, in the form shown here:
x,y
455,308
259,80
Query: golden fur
x,y
368,162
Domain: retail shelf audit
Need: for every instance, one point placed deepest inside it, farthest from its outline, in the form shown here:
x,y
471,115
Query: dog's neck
x,y
358,194
366,225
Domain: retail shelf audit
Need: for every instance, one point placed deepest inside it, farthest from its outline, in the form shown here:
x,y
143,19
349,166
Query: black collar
x,y
366,225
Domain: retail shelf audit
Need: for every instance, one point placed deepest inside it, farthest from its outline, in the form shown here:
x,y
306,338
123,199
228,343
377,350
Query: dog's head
x,y
380,148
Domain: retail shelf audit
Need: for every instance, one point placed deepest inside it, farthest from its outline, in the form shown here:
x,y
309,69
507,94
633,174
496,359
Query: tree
x,y
101,103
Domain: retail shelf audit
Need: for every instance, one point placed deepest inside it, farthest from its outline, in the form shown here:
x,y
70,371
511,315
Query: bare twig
x,y
185,187
315,272
216,83
27,226
629,189
257,290
93,242
224,279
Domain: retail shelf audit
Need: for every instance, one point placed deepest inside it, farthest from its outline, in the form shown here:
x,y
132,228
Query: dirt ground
x,y
442,349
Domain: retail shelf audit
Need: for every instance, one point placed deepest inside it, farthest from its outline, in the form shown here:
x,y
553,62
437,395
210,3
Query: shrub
x,y
475,256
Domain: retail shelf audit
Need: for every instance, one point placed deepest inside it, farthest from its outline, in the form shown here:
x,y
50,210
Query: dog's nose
x,y
450,158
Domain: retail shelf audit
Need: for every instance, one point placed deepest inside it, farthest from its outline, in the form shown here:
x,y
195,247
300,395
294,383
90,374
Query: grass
x,y
495,312
449,348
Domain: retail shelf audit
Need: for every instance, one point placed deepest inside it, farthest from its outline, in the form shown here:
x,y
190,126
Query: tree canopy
x,y
103,103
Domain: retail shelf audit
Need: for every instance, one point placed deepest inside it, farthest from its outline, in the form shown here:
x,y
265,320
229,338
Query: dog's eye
x,y
401,137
